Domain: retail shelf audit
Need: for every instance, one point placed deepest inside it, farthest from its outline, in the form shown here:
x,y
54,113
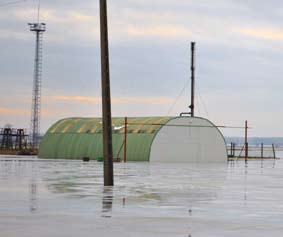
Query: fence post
x,y
273,148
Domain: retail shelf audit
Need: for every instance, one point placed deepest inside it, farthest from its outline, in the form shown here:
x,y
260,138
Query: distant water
x,y
277,141
66,198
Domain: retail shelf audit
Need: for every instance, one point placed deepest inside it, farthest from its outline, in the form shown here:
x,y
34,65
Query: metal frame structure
x,y
12,139
38,28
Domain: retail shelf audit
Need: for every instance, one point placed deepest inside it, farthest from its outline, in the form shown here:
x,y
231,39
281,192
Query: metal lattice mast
x,y
38,28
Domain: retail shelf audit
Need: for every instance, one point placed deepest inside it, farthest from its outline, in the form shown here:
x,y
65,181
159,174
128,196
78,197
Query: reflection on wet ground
x,y
66,198
107,202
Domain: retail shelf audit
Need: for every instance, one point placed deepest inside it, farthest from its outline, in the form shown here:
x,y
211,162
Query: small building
x,y
154,139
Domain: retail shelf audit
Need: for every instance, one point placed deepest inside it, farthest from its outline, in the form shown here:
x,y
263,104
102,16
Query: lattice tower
x,y
38,28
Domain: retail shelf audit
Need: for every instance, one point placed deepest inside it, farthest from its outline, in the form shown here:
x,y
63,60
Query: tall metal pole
x,y
106,98
192,106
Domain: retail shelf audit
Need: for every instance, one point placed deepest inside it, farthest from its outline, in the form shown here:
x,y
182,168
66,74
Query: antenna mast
x,y
192,106
38,11
38,28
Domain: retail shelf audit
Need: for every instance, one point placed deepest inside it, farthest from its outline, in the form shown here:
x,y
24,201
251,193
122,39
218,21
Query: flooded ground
x,y
66,198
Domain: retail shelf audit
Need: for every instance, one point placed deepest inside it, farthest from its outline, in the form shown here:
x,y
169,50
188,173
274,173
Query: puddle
x,y
62,198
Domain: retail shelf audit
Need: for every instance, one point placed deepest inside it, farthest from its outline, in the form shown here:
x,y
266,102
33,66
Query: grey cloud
x,y
227,63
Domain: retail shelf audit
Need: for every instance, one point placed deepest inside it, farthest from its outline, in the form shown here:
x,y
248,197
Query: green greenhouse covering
x,y
74,138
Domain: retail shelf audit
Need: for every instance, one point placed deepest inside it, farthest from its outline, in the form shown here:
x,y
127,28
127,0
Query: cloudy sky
x,y
239,60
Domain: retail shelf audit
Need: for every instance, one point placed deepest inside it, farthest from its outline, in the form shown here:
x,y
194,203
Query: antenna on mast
x,y
38,11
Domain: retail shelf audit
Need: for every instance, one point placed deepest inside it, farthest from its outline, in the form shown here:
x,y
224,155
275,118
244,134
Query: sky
x,y
239,51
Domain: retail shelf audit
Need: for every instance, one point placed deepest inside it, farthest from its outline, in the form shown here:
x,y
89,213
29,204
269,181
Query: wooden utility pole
x,y
192,106
125,139
246,142
106,98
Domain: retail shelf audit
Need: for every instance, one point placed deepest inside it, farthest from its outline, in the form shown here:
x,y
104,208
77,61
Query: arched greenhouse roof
x,y
74,138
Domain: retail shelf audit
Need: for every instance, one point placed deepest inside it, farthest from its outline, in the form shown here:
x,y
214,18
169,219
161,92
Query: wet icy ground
x,y
66,198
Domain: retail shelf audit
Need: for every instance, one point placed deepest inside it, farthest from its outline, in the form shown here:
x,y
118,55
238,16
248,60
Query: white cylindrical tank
x,y
189,139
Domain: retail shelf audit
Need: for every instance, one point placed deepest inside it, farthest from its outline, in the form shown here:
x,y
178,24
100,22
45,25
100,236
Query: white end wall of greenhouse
x,y
189,139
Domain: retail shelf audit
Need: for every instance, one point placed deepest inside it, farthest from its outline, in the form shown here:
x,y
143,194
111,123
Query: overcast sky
x,y
238,60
